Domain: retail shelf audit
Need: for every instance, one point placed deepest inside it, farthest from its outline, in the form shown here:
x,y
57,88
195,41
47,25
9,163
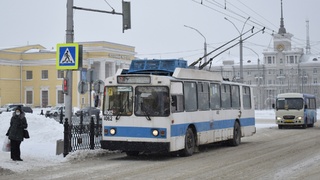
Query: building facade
x,y
28,74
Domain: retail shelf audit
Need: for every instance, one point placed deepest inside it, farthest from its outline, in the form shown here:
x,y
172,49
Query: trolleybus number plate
x,y
109,115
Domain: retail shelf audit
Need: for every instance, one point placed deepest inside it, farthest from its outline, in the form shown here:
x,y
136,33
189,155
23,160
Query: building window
x,y
60,97
29,75
315,81
60,74
44,74
44,98
305,80
281,81
269,60
291,60
29,97
281,61
83,101
315,71
272,59
281,71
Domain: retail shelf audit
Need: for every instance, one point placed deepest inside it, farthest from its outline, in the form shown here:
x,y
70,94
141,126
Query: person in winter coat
x,y
15,132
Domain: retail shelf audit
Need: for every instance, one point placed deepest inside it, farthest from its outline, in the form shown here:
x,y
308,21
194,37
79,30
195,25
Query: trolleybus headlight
x,y
155,132
279,118
299,118
112,131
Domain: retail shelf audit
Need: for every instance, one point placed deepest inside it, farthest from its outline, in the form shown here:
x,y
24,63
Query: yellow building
x,y
28,74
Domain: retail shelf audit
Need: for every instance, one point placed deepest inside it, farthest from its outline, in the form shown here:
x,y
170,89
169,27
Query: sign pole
x,y
69,39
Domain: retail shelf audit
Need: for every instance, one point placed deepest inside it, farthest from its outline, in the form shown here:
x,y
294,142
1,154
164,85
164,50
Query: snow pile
x,y
40,149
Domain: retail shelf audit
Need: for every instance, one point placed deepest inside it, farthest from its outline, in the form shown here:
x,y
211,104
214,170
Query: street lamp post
x,y
259,76
205,41
241,47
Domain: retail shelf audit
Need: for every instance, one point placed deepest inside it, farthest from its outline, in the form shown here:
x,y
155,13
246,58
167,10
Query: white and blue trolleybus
x,y
163,106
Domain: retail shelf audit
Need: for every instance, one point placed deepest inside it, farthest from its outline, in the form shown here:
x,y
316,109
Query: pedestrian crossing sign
x,y
67,56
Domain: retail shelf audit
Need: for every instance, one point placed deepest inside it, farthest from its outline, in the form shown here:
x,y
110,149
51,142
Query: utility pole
x,y
241,46
205,42
69,39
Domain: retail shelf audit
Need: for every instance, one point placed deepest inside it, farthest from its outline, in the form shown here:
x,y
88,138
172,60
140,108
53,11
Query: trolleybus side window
x,y
176,91
235,97
225,96
190,96
203,96
215,101
246,97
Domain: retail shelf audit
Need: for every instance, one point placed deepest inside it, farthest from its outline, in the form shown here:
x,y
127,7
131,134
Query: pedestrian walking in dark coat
x,y
15,132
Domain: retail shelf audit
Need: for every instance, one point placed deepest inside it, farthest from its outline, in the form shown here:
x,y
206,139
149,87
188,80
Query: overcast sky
x,y
158,29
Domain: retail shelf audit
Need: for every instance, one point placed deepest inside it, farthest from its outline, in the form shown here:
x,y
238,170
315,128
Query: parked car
x,y
9,107
26,109
55,111
86,110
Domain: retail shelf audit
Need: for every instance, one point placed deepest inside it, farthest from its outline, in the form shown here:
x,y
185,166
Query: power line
x,y
109,5
253,21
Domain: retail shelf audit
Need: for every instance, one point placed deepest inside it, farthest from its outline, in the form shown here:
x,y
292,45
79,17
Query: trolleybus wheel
x,y
132,153
236,140
189,144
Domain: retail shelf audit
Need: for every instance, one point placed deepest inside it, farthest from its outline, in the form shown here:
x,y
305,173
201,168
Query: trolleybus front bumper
x,y
136,146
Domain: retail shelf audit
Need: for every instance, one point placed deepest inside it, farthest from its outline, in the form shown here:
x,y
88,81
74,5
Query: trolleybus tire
x,y
236,140
189,143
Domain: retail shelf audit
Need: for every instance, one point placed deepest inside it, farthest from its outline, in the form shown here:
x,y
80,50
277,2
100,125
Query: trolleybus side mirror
x,y
306,106
273,106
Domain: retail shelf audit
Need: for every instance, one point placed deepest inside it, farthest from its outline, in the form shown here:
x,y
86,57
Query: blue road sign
x,y
67,56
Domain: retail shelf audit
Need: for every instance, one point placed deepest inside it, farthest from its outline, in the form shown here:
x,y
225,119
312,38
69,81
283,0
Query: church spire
x,y
282,30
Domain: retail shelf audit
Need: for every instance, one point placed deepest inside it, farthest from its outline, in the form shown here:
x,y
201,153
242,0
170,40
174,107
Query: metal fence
x,y
80,136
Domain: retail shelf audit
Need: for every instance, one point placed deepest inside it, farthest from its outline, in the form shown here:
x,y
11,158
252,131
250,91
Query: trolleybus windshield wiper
x,y
147,115
120,112
118,116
